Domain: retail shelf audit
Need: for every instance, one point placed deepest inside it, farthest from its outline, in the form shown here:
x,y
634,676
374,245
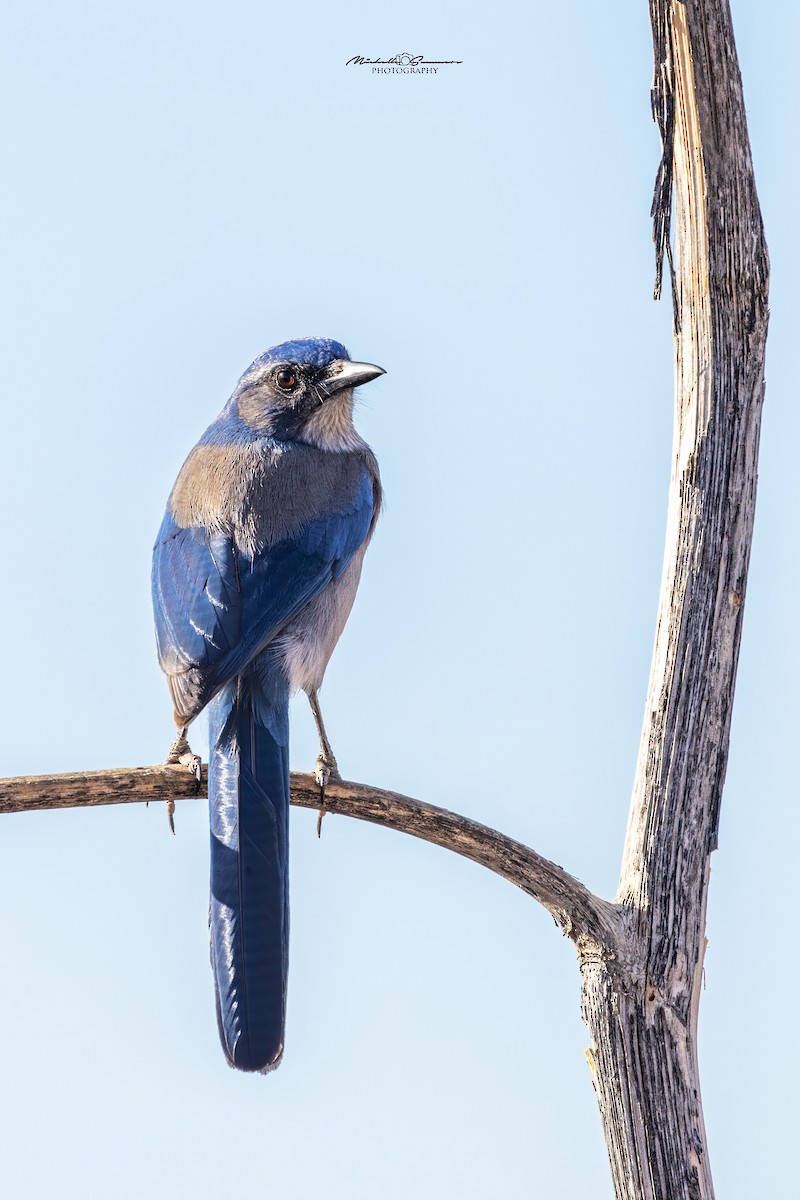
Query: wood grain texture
x,y
643,1017
579,913
79,789
640,955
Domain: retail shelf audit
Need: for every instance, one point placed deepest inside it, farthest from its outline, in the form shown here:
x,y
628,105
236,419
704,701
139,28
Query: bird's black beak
x,y
345,374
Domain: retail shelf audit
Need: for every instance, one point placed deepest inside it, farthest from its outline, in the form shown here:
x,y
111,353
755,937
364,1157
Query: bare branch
x,y
641,957
582,915
574,908
83,789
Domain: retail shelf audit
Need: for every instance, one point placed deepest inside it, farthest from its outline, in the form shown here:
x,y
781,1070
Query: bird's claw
x,y
181,755
193,762
325,769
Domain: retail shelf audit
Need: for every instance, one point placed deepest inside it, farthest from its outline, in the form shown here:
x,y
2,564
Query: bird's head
x,y
284,392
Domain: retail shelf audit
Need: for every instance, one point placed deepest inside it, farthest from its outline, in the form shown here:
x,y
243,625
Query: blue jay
x,y
255,570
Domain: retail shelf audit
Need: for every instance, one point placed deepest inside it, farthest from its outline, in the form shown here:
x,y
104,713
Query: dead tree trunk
x,y
641,955
640,998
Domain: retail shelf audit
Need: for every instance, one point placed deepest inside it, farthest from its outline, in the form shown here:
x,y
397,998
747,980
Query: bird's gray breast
x,y
307,642
263,492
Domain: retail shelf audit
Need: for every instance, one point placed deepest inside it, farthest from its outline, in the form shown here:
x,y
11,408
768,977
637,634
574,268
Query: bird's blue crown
x,y
306,352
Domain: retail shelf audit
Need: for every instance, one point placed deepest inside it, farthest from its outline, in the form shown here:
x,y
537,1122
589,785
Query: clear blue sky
x,y
187,184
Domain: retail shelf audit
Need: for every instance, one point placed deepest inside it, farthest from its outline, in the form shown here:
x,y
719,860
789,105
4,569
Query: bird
x,y
255,570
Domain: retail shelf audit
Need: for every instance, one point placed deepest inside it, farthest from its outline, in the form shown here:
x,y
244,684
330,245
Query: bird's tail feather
x,y
249,912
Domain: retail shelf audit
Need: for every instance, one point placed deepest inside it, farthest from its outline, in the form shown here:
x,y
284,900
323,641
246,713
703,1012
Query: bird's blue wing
x,y
216,607
197,598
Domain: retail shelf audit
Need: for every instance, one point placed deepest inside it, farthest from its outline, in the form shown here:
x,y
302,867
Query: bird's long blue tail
x,y
248,790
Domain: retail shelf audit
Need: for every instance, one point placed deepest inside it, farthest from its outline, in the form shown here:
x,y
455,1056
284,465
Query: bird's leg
x,y
181,754
325,768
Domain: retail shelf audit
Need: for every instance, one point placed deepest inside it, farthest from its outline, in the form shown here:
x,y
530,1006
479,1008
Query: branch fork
x,y
641,955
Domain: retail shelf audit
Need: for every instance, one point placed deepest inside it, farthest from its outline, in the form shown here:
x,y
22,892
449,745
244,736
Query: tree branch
x,y
583,917
641,957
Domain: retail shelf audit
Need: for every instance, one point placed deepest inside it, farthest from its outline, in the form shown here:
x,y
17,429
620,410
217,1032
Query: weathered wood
x,y
575,909
79,789
641,1007
640,956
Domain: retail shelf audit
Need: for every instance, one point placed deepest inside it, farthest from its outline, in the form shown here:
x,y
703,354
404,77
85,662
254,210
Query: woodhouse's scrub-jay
x,y
255,571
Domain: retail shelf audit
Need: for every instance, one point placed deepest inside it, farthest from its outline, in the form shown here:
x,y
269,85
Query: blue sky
x,y
187,185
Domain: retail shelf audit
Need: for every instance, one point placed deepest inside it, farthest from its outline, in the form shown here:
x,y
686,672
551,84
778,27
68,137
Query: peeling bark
x,y
641,1007
640,956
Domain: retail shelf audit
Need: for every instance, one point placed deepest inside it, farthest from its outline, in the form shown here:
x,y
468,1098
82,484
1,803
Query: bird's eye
x,y
286,379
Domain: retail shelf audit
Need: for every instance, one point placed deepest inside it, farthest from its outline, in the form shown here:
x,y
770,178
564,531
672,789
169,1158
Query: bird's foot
x,y
181,755
325,769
